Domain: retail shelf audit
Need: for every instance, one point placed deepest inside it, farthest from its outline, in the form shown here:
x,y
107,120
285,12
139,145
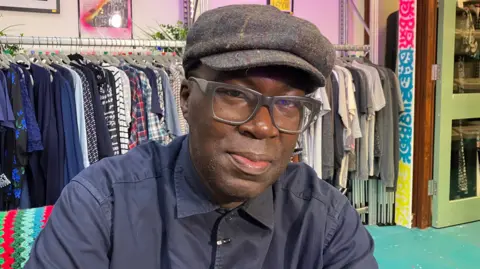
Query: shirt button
x,y
231,216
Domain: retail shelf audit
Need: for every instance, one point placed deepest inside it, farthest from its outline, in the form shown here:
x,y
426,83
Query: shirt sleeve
x,y
350,246
76,235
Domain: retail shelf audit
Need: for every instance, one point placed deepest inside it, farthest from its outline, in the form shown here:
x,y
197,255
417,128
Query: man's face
x,y
239,162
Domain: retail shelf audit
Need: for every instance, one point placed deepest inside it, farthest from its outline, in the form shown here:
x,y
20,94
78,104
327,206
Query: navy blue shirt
x,y
148,209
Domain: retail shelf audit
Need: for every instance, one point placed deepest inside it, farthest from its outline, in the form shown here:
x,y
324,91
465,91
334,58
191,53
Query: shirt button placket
x,y
218,248
222,240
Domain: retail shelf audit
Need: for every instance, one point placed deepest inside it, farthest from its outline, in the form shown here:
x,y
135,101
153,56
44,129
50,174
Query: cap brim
x,y
235,60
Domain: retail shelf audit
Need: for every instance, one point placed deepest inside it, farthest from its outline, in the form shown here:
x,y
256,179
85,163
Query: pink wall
x,y
323,13
220,3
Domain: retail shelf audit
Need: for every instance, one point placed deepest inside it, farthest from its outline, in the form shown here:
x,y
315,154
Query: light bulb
x,y
116,20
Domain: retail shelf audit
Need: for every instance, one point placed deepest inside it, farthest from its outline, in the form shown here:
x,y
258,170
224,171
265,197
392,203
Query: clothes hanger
x,y
21,57
8,56
161,59
60,55
51,55
87,55
136,56
130,60
32,57
114,60
55,55
3,60
4,63
45,61
104,58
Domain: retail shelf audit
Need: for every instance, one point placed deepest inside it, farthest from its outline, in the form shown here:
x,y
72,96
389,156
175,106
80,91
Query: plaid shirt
x,y
153,123
164,135
138,131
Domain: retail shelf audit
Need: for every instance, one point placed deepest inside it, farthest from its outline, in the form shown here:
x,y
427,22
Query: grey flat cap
x,y
245,36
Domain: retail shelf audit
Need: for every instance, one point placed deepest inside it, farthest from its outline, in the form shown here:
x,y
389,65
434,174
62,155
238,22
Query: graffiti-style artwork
x,y
406,76
105,18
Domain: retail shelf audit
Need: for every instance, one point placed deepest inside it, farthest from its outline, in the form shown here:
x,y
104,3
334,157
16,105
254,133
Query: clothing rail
x,y
352,47
111,42
88,42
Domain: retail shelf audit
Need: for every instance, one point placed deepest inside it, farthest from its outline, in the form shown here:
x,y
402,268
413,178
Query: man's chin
x,y
242,189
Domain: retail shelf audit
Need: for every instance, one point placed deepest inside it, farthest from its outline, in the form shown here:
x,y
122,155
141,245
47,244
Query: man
x,y
225,196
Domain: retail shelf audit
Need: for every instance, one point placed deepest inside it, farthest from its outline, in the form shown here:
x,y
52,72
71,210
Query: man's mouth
x,y
252,164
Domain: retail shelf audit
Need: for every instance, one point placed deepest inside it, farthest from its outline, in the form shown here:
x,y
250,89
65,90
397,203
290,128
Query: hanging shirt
x,y
338,125
106,96
378,102
90,125
328,144
397,108
34,138
176,82
80,113
164,135
104,142
120,102
138,129
171,113
6,114
153,122
127,96
155,96
172,221
317,134
343,112
15,141
361,90
49,163
73,152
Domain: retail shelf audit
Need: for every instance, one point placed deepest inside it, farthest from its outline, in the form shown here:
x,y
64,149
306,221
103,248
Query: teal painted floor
x,y
450,248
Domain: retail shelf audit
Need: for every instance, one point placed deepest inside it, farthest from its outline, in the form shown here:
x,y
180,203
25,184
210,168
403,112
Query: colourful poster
x,y
283,5
406,76
105,18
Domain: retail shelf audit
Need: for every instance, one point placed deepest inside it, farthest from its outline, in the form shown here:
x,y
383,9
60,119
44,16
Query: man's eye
x,y
230,93
286,103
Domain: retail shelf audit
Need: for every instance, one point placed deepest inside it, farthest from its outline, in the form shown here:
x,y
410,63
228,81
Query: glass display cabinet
x,y
456,179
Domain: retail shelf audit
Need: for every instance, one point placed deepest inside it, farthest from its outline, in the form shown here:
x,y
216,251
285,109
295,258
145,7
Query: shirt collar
x,y
261,208
193,197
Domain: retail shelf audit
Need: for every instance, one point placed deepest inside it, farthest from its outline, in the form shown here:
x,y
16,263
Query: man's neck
x,y
230,205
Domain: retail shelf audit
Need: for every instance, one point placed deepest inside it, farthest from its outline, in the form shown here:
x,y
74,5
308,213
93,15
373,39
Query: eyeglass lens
x,y
236,106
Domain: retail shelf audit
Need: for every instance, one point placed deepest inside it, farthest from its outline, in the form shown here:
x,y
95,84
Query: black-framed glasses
x,y
236,105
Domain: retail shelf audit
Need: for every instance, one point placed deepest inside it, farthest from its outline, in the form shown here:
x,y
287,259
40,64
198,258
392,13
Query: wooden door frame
x,y
426,54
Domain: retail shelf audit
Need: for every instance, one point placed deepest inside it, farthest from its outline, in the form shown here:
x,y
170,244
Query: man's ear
x,y
185,97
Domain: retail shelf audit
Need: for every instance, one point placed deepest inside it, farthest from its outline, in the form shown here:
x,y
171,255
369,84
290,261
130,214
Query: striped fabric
x,y
122,119
176,82
106,98
89,118
18,230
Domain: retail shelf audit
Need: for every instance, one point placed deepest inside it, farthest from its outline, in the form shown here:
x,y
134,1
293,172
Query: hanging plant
x,y
176,32
11,49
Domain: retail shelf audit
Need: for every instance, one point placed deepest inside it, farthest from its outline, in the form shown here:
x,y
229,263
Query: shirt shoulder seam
x,y
336,209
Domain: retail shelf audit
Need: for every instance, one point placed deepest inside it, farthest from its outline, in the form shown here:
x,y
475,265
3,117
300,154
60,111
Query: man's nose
x,y
260,126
